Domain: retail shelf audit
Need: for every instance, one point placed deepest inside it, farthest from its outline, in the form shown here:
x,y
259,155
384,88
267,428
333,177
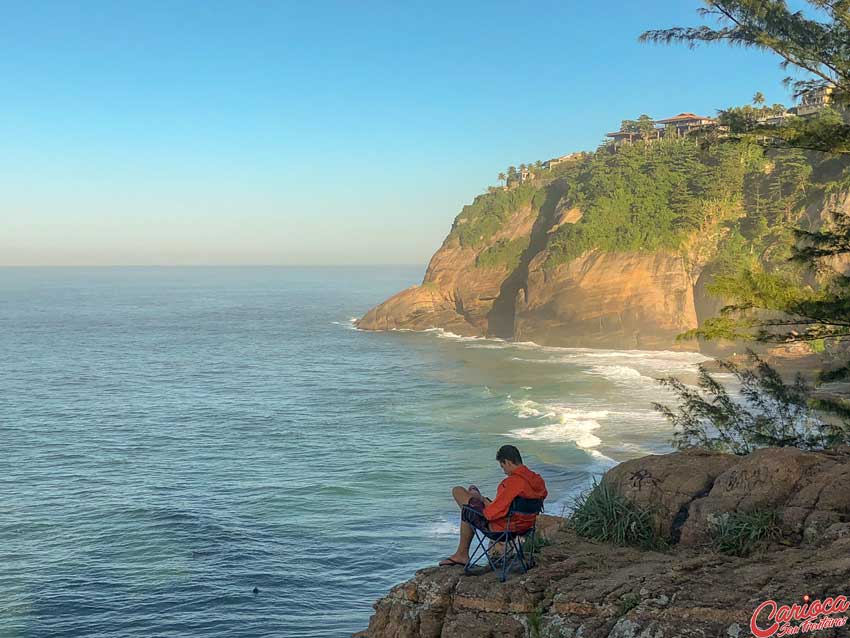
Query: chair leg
x,y
529,556
520,556
505,564
475,556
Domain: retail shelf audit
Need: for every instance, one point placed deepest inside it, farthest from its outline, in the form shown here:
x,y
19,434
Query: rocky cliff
x,y
586,589
615,249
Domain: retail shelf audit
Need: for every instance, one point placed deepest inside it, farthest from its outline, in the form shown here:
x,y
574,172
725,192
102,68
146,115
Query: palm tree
x,y
502,177
758,98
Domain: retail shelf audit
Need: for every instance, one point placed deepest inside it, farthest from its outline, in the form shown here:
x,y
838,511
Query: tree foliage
x,y
771,302
816,41
770,412
821,47
652,196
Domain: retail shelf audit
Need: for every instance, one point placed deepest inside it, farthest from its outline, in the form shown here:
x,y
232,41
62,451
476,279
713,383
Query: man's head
x,y
509,458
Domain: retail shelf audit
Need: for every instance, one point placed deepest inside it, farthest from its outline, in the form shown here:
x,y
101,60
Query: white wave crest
x,y
567,423
621,374
350,324
444,527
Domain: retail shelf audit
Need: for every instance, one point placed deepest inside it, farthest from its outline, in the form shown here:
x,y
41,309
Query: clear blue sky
x,y
204,132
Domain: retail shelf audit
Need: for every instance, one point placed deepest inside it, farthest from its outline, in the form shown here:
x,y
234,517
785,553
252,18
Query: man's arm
x,y
505,495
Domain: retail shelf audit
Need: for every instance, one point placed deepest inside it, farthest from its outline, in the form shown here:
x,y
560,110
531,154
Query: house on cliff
x,y
681,125
558,160
685,123
812,102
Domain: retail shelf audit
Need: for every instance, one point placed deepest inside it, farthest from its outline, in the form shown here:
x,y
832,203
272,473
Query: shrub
x,y
481,219
602,514
627,603
738,534
503,254
769,413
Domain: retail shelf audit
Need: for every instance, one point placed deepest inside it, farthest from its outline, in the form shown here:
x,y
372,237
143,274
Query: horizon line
x,y
304,265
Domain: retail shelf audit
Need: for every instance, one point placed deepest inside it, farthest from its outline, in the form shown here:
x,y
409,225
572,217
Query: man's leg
x,y
461,496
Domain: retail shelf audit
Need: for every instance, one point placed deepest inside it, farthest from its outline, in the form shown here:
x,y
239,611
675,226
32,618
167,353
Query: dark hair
x,y
509,453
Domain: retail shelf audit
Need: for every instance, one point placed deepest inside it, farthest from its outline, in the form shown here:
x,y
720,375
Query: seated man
x,y
520,482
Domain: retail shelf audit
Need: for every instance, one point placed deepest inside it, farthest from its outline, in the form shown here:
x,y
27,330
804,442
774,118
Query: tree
x,y
779,307
758,98
645,127
801,39
771,413
502,177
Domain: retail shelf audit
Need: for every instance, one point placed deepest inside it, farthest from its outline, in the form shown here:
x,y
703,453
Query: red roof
x,y
682,117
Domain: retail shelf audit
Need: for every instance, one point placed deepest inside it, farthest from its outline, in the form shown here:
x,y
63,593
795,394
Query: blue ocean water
x,y
173,438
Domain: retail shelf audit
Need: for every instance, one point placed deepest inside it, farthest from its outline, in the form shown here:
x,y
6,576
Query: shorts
x,y
475,519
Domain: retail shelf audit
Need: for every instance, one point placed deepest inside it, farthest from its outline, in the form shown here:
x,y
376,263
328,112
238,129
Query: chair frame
x,y
513,542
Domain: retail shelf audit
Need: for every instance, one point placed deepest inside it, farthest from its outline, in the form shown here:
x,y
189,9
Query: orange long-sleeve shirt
x,y
521,482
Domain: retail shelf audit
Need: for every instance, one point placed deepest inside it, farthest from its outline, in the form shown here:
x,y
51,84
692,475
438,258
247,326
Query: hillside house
x,y
685,123
622,137
811,102
557,160
776,119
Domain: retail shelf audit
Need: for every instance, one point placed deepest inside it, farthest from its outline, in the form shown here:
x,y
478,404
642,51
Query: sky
x,y
206,132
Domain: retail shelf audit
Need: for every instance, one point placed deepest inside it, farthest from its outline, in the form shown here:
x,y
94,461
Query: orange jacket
x,y
521,482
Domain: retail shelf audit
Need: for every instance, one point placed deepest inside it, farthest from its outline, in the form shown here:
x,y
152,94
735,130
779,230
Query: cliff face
x,y
626,300
616,251
456,294
598,590
630,300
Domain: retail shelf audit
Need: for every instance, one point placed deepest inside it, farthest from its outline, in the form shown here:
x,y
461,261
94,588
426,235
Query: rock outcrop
x,y
690,491
455,294
586,589
555,295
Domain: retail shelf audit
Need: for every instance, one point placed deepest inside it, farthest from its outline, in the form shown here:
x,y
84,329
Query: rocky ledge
x,y
587,589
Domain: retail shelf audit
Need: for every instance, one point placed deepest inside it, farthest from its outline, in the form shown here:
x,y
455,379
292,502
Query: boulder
x,y
667,484
809,491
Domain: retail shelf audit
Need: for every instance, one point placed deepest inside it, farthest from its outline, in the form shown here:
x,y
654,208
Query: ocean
x,y
219,452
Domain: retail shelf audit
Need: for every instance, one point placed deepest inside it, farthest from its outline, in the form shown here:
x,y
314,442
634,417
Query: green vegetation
x,y
602,514
814,40
627,603
772,302
535,622
770,413
739,534
741,119
651,196
503,254
481,219
643,127
533,545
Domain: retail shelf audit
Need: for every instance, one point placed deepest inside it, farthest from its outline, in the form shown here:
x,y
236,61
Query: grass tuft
x,y
627,603
602,514
739,534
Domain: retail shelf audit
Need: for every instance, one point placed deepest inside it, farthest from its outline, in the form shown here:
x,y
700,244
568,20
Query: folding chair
x,y
514,543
